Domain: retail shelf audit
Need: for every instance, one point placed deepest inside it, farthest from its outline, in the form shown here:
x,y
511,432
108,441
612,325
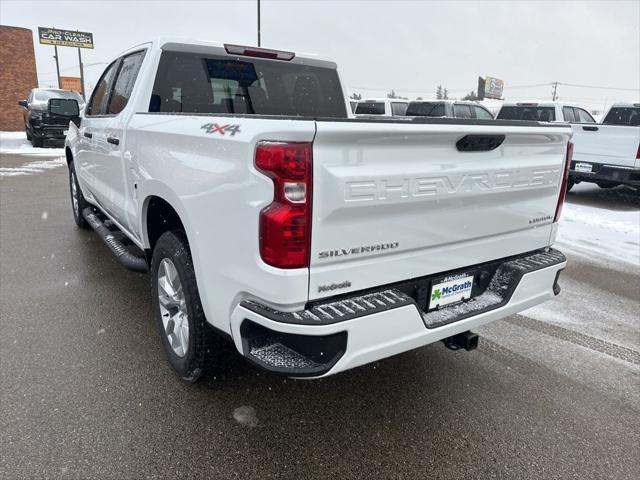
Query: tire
x,y
607,184
172,261
570,184
26,130
36,142
78,203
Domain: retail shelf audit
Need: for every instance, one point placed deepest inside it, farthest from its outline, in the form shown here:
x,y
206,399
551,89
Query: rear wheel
x,y
36,142
177,309
78,203
607,184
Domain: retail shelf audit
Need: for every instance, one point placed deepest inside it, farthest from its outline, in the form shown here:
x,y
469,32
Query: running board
x,y
128,254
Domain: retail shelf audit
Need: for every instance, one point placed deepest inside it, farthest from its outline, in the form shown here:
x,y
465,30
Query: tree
x,y
419,98
439,93
470,96
356,96
445,94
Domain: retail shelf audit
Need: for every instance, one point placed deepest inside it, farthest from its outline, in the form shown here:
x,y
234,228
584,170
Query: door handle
x,y
113,140
88,135
590,129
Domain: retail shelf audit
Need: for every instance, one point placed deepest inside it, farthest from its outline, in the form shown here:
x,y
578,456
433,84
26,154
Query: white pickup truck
x,y
313,241
608,153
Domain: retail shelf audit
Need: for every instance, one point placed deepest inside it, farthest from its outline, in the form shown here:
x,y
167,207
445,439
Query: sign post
x,y
66,38
55,55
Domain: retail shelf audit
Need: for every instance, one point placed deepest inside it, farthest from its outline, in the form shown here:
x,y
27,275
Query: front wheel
x,y
177,308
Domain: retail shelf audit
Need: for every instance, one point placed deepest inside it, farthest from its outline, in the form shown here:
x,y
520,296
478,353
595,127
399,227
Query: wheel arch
x,y
159,216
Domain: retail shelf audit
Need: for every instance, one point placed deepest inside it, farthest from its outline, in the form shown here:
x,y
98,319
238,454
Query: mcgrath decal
x,y
221,129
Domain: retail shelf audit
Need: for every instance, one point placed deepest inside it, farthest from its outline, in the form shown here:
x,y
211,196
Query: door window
x,y
126,80
398,108
584,116
482,114
462,111
568,114
100,96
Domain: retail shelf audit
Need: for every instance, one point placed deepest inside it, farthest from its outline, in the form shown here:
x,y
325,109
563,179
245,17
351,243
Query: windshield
x,y
198,83
45,95
531,113
629,116
426,109
370,108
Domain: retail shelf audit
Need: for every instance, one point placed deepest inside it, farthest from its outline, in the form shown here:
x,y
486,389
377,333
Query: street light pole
x,y
258,22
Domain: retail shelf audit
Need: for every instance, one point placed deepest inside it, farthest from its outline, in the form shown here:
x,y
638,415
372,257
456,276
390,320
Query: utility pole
x,y
258,22
555,90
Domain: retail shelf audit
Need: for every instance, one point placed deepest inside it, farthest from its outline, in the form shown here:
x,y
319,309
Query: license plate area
x,y
583,167
450,290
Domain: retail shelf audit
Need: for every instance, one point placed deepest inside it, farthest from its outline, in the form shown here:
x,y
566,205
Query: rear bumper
x,y
607,173
390,322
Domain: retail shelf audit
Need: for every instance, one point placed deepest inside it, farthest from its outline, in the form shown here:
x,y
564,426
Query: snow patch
x,y
16,142
30,168
601,234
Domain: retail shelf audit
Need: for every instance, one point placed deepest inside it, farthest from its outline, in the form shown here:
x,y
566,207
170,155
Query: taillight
x,y
285,224
565,178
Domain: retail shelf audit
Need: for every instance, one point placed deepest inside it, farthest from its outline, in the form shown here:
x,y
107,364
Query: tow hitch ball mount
x,y
467,340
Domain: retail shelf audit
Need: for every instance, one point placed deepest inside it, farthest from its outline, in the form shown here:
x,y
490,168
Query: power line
x,y
602,88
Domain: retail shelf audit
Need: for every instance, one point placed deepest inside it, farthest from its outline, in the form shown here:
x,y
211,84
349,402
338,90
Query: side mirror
x,y
23,103
66,107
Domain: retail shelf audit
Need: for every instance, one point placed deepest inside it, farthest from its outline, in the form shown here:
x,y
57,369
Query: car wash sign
x,y
65,38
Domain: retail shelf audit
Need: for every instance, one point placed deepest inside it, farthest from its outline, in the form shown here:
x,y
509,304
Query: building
x,y
17,74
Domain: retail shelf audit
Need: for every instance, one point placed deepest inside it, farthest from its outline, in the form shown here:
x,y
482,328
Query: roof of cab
x,y
183,44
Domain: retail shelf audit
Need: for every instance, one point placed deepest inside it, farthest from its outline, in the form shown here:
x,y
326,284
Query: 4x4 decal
x,y
221,129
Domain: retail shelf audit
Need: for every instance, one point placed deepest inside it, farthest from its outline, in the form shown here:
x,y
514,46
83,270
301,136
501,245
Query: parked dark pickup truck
x,y
44,125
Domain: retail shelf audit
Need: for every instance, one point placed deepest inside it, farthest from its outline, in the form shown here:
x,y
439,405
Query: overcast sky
x,y
410,46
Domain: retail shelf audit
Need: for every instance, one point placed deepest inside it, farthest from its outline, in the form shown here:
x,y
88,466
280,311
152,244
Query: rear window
x,y
532,113
370,108
628,116
197,83
426,109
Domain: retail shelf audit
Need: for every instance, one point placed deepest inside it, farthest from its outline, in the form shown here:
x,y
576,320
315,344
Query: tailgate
x,y
394,201
606,144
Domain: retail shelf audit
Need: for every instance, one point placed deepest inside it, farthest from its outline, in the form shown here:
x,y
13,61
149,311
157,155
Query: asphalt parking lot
x,y
86,392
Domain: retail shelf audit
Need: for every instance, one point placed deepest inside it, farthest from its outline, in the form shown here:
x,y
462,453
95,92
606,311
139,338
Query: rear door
x,y
393,202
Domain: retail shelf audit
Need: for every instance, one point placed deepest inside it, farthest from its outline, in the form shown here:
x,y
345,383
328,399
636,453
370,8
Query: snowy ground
x,y
41,159
604,235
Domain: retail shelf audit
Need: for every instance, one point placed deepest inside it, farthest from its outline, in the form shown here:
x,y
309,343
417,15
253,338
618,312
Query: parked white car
x,y
313,241
384,107
448,108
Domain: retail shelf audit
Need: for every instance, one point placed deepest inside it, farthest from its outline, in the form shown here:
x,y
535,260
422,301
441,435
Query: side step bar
x,y
130,256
